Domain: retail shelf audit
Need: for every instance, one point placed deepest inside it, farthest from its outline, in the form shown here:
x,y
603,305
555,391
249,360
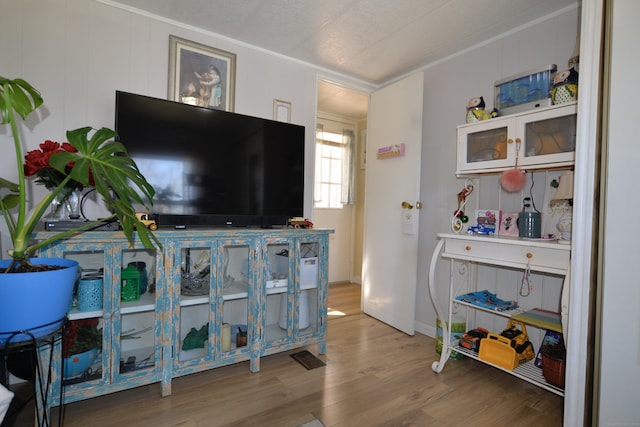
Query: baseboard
x,y
425,329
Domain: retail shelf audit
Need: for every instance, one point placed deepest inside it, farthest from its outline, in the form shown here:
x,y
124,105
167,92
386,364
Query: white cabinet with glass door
x,y
538,139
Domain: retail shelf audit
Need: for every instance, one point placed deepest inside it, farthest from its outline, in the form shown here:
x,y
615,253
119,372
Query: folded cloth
x,y
487,300
5,400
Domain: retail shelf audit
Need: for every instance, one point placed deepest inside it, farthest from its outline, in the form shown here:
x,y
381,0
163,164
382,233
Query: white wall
x,y
448,87
620,293
79,52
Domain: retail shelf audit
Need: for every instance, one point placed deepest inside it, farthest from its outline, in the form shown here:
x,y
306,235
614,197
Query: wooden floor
x,y
374,376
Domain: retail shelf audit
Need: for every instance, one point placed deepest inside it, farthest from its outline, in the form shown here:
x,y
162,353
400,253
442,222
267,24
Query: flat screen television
x,y
211,167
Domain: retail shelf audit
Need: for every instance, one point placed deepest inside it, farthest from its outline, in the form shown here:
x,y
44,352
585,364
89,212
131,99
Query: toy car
x,y
481,229
299,222
148,220
471,339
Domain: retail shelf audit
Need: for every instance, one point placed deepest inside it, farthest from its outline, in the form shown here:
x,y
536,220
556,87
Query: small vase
x,y
57,210
72,204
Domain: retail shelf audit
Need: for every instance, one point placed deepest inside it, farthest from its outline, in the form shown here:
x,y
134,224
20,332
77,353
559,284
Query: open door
x,y
394,145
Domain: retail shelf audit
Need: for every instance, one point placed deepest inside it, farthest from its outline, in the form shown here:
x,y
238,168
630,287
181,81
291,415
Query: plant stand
x,y
43,359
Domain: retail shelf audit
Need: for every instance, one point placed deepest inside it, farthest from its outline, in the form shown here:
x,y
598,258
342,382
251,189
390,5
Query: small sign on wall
x,y
390,151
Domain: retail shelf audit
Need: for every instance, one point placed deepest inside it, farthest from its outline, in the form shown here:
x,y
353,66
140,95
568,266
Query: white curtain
x,y
349,168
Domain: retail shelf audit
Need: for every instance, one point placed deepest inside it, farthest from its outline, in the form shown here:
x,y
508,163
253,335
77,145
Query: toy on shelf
x,y
476,111
459,218
565,87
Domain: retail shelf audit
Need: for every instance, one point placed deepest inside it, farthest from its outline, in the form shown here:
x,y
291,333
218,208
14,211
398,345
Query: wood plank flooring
x,y
343,299
375,376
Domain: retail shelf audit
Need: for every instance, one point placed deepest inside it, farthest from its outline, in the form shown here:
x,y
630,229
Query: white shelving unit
x,y
541,256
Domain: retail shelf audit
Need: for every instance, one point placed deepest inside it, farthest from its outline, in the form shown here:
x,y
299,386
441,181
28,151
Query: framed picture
x,y
201,75
508,224
281,111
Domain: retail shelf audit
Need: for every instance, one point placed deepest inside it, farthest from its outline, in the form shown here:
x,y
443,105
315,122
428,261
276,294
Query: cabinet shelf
x,y
237,290
504,313
188,300
147,302
527,371
537,317
278,290
76,314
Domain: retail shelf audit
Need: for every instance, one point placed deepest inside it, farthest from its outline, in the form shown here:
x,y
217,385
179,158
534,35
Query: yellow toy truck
x,y
148,220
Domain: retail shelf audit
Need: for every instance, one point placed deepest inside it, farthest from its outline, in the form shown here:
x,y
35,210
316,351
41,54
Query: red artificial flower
x,y
37,164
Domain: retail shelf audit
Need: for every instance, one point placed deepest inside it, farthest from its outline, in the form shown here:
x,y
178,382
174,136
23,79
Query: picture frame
x,y
281,111
201,75
508,224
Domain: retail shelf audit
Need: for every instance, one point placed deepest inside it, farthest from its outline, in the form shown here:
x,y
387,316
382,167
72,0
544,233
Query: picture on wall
x,y
201,75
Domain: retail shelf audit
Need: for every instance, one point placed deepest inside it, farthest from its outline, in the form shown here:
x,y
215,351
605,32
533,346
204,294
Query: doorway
x,y
340,104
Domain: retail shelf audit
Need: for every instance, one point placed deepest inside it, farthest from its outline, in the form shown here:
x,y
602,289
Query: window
x,y
334,181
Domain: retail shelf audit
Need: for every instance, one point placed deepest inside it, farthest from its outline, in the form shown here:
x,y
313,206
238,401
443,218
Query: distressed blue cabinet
x,y
295,305
196,295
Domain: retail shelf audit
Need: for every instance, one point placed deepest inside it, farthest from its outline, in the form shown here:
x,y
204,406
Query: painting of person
x,y
210,87
201,75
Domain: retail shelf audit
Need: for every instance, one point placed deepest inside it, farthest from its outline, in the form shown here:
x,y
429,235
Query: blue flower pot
x,y
35,302
77,364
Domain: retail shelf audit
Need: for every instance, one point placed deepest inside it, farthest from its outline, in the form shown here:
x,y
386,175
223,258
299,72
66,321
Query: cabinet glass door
x,y
85,358
237,274
278,288
197,298
551,137
307,298
486,144
137,319
292,297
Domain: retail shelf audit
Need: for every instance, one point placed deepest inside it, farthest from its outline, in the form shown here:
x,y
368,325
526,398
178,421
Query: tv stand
x,y
203,286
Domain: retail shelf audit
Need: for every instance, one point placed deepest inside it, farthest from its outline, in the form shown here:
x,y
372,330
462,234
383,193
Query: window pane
x,y
325,172
328,179
336,171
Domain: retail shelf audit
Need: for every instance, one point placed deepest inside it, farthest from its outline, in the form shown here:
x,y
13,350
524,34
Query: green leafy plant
x,y
96,160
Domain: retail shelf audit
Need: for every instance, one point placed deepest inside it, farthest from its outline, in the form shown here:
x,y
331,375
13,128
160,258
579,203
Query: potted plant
x,y
91,158
82,344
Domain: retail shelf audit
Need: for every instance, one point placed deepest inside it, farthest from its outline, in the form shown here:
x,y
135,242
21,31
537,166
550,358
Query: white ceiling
x,y
372,40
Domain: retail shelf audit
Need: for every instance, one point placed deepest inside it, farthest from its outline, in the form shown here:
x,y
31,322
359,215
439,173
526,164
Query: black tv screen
x,y
211,167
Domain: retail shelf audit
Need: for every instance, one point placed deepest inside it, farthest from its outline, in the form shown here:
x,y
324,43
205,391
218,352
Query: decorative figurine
x,y
475,110
565,87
